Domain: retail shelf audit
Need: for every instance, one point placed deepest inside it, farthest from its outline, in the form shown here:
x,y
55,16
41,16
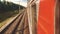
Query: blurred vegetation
x,y
8,9
9,6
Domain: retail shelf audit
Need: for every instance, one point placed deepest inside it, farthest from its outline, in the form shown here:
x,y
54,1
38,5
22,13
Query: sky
x,y
20,2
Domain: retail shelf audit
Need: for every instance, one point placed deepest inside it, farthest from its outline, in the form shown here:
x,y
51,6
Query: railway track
x,y
18,26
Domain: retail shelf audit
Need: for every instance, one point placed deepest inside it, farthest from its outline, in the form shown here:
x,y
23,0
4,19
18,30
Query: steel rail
x,y
12,25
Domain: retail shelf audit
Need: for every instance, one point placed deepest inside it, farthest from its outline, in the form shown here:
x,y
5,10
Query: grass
x,y
4,17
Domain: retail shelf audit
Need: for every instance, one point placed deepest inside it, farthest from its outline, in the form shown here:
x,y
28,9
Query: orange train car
x,y
47,19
